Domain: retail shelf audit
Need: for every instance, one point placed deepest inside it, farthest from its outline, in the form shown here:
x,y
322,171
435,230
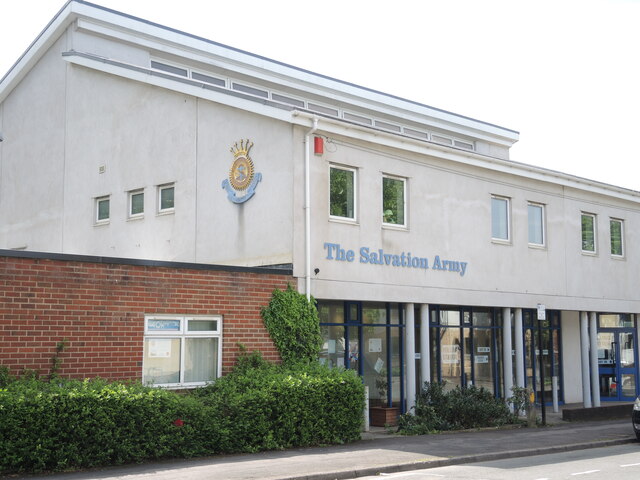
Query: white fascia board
x,y
377,137
193,48
137,74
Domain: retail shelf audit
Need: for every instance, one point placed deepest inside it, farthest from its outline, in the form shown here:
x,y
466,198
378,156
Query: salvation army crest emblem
x,y
243,180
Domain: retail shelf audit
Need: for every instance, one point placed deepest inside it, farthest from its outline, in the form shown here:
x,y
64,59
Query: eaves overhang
x,y
126,28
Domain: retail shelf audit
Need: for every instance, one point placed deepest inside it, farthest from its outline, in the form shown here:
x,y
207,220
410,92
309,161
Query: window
x,y
102,209
616,229
165,198
136,203
393,201
180,350
536,223
588,233
342,195
500,218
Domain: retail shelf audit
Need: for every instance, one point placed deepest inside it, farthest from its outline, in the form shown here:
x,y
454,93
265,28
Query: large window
x,y
536,224
588,221
394,201
182,350
102,209
616,229
500,218
342,193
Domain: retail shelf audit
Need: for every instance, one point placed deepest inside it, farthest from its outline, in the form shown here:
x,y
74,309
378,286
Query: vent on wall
x,y
183,71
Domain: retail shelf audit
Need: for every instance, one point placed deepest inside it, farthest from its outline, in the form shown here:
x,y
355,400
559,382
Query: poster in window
x,y
160,348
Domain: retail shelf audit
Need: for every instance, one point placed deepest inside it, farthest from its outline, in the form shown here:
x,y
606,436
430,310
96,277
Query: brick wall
x,y
99,305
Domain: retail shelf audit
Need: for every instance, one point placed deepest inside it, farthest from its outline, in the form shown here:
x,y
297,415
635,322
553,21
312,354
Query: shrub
x,y
72,424
293,324
66,425
266,406
460,408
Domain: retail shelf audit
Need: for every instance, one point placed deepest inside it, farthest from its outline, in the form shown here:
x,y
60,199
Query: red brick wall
x,y
99,307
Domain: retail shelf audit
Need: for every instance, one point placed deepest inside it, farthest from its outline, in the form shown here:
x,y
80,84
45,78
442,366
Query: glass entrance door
x,y
617,365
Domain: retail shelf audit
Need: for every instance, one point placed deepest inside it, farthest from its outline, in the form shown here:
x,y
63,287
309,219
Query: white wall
x,y
449,216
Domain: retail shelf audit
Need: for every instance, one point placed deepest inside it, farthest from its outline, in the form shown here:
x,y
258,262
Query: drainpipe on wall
x,y
307,207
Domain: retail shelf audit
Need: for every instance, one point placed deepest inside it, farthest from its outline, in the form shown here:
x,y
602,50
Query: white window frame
x,y
355,194
543,229
131,194
622,242
98,201
507,200
595,233
162,188
404,198
182,333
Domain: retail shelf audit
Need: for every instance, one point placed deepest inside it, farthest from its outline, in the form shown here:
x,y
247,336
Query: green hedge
x,y
70,425
437,409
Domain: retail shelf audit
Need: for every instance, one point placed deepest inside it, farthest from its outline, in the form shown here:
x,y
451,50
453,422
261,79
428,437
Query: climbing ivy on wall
x,y
293,324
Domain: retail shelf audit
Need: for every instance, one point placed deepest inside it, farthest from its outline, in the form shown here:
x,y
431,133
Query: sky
x,y
563,73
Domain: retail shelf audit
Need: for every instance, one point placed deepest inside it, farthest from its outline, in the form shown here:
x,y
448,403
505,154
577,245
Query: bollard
x,y
554,388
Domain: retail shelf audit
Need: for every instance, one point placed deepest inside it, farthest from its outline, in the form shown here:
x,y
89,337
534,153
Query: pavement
x,y
380,451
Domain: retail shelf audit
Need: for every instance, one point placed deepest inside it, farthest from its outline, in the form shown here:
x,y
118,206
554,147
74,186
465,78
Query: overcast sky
x,y
564,73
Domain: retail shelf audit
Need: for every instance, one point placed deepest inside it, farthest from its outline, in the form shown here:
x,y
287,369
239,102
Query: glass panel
x,y
588,233
202,325
535,224
499,218
374,313
354,354
627,350
450,317
433,352
628,385
393,201
161,360
103,209
608,385
332,353
341,192
606,349
163,325
614,320
481,318
450,357
200,359
395,364
615,227
166,198
483,356
468,349
137,203
331,312
375,368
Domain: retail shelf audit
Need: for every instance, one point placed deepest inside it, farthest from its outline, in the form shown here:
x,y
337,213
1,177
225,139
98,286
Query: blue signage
x,y
403,260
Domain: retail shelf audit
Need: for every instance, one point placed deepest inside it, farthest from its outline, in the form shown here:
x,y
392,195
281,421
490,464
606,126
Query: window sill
x,y
165,212
499,241
391,226
535,246
618,258
346,221
586,253
136,218
102,223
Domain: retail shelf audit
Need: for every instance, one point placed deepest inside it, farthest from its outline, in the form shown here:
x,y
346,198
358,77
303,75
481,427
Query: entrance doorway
x,y
617,364
367,337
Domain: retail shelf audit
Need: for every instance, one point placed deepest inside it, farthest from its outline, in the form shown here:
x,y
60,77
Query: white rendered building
x,y
430,252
